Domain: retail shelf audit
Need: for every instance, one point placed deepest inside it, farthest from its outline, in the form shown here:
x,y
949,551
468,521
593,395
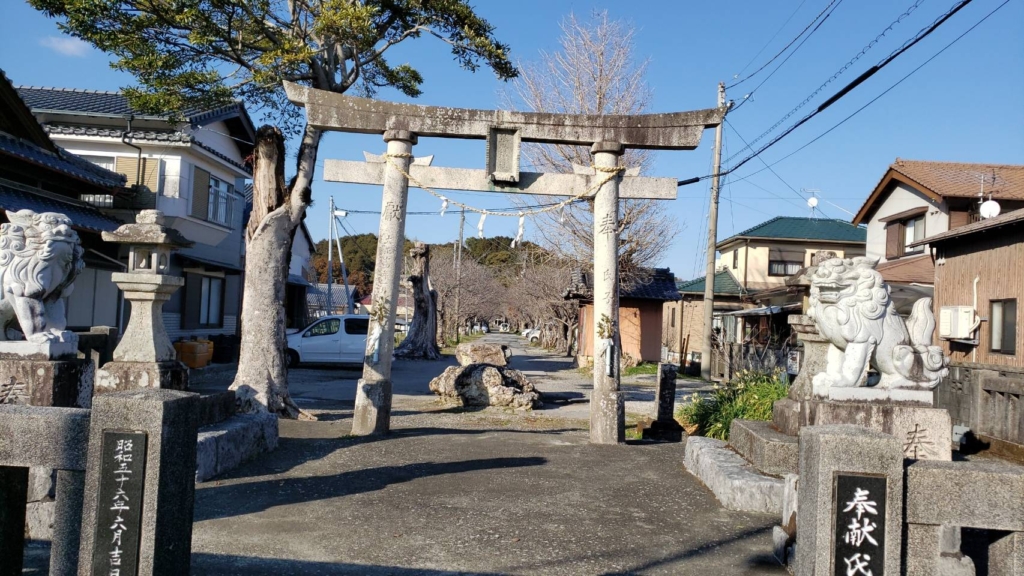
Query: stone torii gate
x,y
402,124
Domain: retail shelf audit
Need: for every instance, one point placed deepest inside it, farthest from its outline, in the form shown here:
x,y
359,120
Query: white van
x,y
331,339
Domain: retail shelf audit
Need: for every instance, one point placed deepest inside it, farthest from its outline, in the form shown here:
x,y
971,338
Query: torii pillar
x,y
372,413
607,409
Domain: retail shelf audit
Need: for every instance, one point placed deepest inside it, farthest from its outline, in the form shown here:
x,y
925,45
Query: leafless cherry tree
x,y
595,71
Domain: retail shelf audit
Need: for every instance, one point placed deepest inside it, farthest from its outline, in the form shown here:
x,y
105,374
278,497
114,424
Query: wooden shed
x,y
640,313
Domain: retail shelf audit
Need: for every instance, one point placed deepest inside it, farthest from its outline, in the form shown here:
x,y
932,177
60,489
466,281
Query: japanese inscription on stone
x,y
119,513
860,525
918,445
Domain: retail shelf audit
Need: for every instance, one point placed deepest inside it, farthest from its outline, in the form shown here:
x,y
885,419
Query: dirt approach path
x,y
467,492
456,492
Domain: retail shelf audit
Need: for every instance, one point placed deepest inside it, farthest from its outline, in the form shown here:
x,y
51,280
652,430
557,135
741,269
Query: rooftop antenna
x,y
812,202
988,208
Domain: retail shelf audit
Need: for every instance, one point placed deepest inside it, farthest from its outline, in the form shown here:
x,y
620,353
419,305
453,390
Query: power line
x,y
784,48
887,90
770,40
845,90
838,73
750,95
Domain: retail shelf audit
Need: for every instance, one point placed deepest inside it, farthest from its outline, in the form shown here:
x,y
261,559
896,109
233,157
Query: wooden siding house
x,y
640,314
684,319
981,265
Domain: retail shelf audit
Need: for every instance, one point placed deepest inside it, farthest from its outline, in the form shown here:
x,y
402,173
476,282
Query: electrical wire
x,y
838,73
786,47
750,95
848,88
770,40
873,100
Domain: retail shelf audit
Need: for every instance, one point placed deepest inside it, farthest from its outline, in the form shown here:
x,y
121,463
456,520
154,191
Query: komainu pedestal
x,y
40,257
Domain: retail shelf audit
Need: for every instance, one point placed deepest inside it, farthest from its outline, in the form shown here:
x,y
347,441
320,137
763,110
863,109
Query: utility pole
x,y
706,351
330,256
458,274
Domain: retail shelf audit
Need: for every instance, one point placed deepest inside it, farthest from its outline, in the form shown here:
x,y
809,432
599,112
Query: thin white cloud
x,y
66,45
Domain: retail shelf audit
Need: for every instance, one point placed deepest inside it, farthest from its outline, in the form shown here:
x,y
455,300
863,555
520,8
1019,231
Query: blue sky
x,y
966,105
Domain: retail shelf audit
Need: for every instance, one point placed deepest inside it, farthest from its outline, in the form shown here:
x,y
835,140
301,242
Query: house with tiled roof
x,y
762,257
191,166
641,305
36,174
683,320
917,199
752,297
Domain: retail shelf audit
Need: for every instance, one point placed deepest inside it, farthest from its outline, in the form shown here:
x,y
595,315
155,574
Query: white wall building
x,y
918,199
192,170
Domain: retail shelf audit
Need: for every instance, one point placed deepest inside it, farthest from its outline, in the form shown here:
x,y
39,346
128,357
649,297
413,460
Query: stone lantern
x,y
145,357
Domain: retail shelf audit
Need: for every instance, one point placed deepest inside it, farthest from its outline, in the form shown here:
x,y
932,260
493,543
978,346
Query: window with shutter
x,y
200,193
958,218
893,240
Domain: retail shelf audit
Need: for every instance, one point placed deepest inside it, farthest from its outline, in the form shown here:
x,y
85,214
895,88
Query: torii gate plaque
x,y
401,124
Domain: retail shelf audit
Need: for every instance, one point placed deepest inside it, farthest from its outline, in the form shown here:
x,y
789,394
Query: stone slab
x,y
924,433
769,450
63,349
218,407
120,376
925,555
39,521
482,353
224,446
825,453
877,394
789,415
44,436
65,383
974,494
790,503
736,484
1006,556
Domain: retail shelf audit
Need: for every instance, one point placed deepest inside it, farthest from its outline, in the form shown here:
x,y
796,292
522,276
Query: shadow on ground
x,y
228,565
306,489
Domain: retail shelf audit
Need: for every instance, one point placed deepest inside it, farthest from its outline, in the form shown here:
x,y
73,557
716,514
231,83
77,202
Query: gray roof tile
x,y
82,216
63,162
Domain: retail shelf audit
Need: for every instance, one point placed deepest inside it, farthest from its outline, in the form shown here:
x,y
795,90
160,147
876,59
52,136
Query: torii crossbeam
x,y
401,124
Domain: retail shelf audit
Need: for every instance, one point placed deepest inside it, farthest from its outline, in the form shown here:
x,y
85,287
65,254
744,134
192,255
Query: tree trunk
x,y
261,384
421,339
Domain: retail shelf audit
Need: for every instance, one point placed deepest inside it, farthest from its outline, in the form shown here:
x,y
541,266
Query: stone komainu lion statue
x,y
40,256
851,306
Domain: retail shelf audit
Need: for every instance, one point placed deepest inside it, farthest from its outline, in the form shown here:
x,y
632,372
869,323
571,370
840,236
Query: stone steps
x,y
736,484
769,450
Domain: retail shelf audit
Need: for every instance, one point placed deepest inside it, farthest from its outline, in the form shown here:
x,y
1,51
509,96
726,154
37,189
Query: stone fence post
x,y
140,483
52,438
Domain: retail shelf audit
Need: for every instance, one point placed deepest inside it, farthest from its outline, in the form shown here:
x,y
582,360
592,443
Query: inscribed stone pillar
x,y
373,392
607,412
850,502
140,483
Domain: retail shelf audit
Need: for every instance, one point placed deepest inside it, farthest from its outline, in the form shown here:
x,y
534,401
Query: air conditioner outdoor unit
x,y
956,322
